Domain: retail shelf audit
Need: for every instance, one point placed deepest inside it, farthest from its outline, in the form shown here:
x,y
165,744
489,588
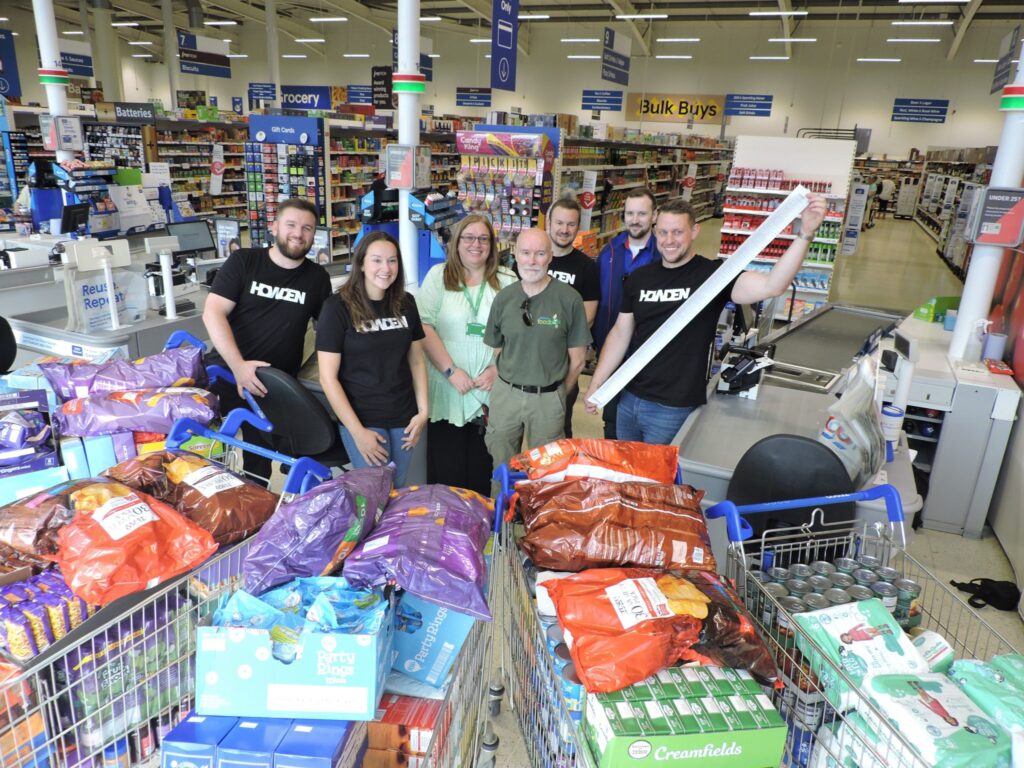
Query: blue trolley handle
x,y
739,529
220,373
303,474
178,338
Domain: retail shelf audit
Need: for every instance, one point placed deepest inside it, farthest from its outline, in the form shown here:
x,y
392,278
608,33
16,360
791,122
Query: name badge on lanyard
x,y
473,328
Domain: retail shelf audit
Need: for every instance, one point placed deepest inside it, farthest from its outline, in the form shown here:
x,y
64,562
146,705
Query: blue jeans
x,y
392,444
645,421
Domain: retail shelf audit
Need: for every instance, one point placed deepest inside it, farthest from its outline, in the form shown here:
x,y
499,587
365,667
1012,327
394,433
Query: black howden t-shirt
x,y
273,305
580,271
375,372
678,375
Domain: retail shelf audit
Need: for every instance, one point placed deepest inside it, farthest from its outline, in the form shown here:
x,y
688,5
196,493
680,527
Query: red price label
x,y
587,200
217,168
690,182
721,177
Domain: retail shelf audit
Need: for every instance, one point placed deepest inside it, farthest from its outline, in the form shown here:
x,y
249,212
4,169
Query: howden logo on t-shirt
x,y
565,277
665,294
276,292
385,324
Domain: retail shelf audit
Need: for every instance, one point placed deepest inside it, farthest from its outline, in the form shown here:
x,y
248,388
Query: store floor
x,y
895,267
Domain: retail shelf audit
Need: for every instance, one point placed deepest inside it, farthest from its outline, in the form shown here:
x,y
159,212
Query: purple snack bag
x,y
139,410
312,534
23,429
430,541
181,367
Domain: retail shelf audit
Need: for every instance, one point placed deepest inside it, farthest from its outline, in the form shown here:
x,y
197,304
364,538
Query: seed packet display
x,y
860,638
944,726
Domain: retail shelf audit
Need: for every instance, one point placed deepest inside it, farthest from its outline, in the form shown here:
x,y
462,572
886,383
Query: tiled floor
x,y
895,267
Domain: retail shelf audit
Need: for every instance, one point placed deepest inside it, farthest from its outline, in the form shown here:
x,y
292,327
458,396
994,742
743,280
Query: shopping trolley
x,y
801,698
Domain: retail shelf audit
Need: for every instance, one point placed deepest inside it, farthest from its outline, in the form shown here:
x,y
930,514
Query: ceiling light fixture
x,y
140,42
293,55
325,19
880,61
238,55
792,39
433,55
306,40
355,55
430,18
581,40
72,32
768,58
675,40
986,61
142,55
922,23
487,56
533,16
583,56
672,56
124,24
778,13
914,40
479,39
222,23
632,16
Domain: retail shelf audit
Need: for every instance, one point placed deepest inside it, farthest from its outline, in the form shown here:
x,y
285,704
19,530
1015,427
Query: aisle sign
x,y
75,57
748,104
920,110
426,63
262,92
306,97
236,104
855,212
1001,221
603,101
360,94
203,55
504,39
1004,67
380,79
674,108
10,85
472,97
285,129
135,113
615,57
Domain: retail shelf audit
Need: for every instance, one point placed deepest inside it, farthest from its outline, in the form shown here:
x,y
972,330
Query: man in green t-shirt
x,y
539,328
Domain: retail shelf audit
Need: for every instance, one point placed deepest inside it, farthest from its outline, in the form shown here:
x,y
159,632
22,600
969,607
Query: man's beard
x,y
286,250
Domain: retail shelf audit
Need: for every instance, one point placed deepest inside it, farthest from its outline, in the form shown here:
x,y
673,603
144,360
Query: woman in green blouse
x,y
454,301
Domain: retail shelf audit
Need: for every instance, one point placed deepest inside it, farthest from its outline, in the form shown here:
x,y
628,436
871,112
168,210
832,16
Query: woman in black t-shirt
x,y
370,349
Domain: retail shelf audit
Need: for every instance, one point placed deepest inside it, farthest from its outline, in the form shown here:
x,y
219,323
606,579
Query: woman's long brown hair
x,y
454,278
353,292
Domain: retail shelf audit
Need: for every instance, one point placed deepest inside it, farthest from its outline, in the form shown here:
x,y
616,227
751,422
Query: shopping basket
x,y
801,698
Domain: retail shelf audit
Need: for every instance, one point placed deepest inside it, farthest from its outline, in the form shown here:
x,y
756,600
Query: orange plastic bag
x,y
617,460
619,626
122,541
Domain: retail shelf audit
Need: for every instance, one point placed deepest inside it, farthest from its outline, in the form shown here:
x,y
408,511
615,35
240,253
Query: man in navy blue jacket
x,y
624,253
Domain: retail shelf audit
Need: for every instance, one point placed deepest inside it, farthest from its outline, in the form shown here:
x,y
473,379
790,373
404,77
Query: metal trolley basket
x,y
802,699
128,671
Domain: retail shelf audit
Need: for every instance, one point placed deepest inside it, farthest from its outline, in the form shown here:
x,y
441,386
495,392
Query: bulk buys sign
x,y
306,97
674,108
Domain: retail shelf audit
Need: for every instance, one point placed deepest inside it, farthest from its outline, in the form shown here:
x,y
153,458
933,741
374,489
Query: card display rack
x,y
275,172
120,144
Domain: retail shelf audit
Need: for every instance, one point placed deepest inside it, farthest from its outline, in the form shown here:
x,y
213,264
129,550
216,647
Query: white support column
x,y
51,72
1007,171
105,53
83,13
170,51
408,84
273,53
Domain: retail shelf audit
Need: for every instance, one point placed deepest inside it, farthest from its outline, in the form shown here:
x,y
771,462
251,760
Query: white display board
x,y
818,159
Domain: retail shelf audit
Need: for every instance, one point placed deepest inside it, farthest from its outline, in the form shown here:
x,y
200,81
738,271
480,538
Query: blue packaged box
x,y
333,675
193,742
251,743
16,487
428,638
99,452
72,453
320,744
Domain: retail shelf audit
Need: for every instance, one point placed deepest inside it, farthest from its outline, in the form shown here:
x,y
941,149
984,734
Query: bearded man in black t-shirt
x,y
259,308
657,401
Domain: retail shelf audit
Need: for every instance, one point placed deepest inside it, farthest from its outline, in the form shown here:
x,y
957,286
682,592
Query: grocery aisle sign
x,y
602,101
1004,67
920,110
674,108
615,57
748,104
10,85
472,97
306,97
203,55
504,38
76,57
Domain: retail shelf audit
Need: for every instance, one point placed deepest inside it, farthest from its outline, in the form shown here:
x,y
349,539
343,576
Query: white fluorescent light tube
x,y
675,40
479,39
293,55
581,40
433,55
487,56
880,61
922,23
220,23
124,24
986,61
778,13
630,16
792,39
430,18
142,55
672,56
532,16
4,18
323,19
914,40
306,40
73,32
355,55
238,55
580,56
768,58
140,42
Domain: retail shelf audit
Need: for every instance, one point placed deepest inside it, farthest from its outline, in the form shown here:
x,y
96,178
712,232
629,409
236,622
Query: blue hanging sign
x,y
236,104
603,101
472,97
285,129
615,57
202,55
504,39
10,85
748,104
360,94
920,110
306,97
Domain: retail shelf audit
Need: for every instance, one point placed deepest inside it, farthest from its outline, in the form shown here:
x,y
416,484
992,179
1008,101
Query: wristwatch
x,y
448,373
809,238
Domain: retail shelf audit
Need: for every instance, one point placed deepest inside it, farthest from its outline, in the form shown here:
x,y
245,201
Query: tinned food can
x,y
800,571
885,592
887,574
798,587
846,565
790,605
820,583
815,602
842,580
837,596
823,567
778,575
864,577
869,561
858,593
908,603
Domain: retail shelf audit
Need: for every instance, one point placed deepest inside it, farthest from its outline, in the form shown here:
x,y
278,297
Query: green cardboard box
x,y
934,310
736,730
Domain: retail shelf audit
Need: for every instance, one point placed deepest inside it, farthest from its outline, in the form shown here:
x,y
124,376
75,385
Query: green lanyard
x,y
479,299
